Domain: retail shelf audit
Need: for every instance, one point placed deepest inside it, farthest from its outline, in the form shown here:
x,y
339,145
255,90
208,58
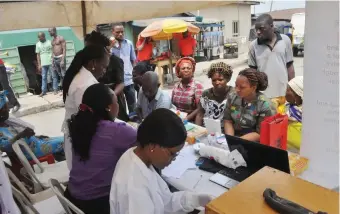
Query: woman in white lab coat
x,y
136,186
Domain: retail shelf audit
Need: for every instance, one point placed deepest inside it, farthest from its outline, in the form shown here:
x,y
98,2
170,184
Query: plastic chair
x,y
33,198
40,180
50,206
48,158
25,204
59,191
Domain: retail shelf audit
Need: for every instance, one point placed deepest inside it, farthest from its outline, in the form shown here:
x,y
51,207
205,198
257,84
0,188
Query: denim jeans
x,y
130,95
44,72
60,70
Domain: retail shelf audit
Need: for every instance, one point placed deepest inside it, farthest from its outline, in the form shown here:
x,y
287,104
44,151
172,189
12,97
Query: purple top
x,y
92,179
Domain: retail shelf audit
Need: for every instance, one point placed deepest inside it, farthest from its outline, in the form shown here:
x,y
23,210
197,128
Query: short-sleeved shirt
x,y
214,106
187,46
115,75
114,72
186,98
162,100
92,179
127,53
146,53
273,62
247,117
45,51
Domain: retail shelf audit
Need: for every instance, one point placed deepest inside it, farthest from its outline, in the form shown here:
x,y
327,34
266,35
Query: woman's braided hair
x,y
221,68
255,78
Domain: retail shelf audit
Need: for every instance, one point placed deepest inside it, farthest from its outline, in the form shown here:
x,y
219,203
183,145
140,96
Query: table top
x,y
247,197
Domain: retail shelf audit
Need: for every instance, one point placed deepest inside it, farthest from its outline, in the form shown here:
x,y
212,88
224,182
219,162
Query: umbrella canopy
x,y
163,29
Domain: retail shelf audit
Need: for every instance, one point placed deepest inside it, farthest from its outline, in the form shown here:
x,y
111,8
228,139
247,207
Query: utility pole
x,y
271,5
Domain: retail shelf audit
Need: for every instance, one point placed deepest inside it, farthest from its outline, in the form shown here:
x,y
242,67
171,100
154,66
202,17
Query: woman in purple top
x,y
98,141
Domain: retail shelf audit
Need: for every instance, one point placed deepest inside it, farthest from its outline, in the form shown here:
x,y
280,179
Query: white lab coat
x,y
138,189
79,84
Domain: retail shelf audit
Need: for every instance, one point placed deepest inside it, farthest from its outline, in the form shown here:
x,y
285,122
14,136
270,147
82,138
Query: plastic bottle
x,y
212,139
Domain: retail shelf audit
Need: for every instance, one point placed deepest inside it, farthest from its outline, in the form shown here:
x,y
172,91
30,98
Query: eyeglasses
x,y
173,155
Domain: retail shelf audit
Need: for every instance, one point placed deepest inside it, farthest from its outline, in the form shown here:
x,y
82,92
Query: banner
x,y
320,140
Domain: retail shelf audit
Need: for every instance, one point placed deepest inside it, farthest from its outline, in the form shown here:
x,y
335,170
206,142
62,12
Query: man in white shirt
x,y
151,97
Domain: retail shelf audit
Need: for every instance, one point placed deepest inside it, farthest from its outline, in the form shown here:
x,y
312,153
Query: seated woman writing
x,y
187,93
98,140
294,98
14,129
247,107
213,101
136,186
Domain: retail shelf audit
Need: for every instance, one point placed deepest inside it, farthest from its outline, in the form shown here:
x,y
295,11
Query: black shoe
x,y
42,94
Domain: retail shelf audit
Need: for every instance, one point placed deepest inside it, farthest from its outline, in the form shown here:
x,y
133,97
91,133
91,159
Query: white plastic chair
x,y
57,171
24,203
48,206
59,191
33,198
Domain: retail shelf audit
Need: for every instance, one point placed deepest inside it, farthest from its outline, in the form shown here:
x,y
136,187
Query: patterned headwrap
x,y
3,98
182,60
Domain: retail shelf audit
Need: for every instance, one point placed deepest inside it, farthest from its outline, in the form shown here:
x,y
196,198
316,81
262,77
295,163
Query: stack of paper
x,y
185,160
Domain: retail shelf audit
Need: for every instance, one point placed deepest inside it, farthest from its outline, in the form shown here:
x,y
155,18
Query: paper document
x,y
212,125
185,160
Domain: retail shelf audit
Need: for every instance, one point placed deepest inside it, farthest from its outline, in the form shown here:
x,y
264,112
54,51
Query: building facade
x,y
237,21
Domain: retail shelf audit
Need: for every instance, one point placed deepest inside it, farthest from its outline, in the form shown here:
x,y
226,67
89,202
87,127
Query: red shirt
x,y
187,46
1,62
146,52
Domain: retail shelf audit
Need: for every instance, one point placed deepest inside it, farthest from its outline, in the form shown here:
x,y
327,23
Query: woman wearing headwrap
x,y
187,93
14,129
294,96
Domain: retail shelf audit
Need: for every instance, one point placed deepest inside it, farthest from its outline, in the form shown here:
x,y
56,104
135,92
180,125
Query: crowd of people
x,y
114,167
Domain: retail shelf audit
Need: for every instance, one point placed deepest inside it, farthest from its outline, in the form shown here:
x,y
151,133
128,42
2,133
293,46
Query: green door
x,y
17,79
70,52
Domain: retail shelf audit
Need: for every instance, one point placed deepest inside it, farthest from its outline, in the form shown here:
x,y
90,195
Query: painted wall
x,y
44,14
228,14
15,38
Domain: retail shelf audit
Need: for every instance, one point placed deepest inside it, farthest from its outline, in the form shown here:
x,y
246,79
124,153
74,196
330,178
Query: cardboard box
x,y
247,197
297,164
195,132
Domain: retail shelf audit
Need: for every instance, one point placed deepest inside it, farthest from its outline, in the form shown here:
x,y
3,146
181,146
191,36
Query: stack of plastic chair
x,y
44,202
59,191
24,203
40,179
